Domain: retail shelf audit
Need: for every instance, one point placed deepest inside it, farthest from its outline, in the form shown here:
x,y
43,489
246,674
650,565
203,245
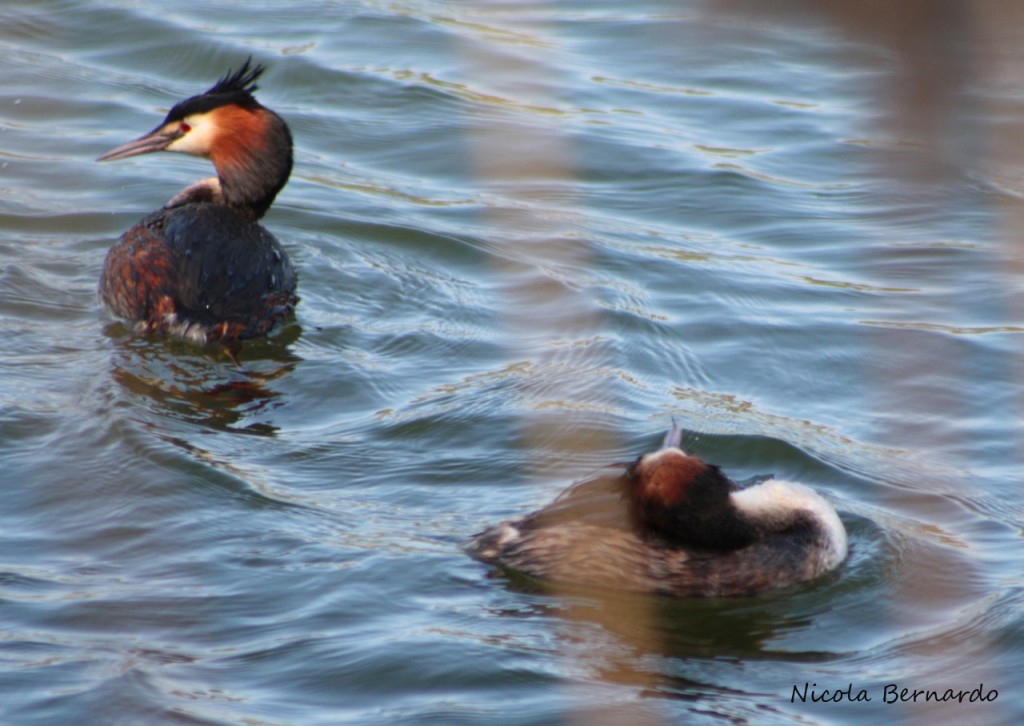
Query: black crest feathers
x,y
241,81
236,87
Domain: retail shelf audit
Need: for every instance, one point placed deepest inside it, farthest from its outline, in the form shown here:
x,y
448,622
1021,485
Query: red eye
x,y
185,128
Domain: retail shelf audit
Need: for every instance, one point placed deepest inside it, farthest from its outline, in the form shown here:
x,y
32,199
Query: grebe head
x,y
249,145
683,499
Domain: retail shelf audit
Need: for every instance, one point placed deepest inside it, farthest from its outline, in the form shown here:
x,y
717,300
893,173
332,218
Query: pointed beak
x,y
674,438
156,140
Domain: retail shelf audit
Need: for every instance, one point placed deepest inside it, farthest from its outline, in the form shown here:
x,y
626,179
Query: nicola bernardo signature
x,y
891,693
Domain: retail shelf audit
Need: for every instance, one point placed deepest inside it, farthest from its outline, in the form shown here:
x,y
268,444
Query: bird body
x,y
672,525
166,276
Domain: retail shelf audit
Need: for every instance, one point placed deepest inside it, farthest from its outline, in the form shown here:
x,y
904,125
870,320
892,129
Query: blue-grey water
x,y
528,234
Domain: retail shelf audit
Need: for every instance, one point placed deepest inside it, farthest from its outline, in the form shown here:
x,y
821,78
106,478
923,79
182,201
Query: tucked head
x,y
683,499
671,479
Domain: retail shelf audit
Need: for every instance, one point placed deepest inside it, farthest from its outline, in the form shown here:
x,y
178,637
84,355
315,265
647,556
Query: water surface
x,y
528,234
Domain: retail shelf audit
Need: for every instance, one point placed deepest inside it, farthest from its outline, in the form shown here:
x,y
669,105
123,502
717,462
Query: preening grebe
x,y
202,267
684,529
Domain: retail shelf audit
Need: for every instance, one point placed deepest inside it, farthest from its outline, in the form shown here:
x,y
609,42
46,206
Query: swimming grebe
x,y
202,267
684,529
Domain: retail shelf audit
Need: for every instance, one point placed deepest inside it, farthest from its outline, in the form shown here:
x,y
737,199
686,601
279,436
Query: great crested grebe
x,y
202,267
684,529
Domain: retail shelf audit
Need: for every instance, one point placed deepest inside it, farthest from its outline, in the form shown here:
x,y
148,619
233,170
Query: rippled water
x,y
527,235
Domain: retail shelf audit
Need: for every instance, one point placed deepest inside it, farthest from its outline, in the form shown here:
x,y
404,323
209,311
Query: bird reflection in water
x,y
174,381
